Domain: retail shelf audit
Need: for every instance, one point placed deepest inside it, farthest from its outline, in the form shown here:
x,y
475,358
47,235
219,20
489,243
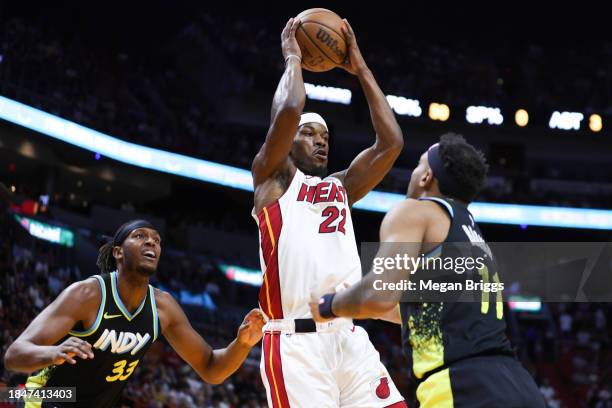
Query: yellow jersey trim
x,y
154,308
96,324
120,304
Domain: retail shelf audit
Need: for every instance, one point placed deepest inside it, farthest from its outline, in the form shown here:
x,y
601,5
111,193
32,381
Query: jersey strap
x,y
120,304
154,310
96,324
442,202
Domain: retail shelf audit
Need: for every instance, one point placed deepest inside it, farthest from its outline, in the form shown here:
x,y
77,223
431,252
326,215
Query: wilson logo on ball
x,y
332,44
321,40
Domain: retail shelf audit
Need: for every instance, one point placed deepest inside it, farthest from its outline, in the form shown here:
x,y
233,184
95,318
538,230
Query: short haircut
x,y
465,164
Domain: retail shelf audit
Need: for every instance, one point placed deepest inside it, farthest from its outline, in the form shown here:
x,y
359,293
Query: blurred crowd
x,y
464,71
32,273
104,84
583,353
168,99
566,346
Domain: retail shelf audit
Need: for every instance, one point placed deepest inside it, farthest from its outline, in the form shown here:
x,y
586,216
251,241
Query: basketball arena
x,y
192,196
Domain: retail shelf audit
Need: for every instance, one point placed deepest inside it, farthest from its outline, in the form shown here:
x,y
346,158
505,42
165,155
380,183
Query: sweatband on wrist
x,y
325,306
295,56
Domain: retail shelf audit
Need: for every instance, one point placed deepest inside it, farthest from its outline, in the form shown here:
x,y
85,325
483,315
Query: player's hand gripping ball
x,y
321,39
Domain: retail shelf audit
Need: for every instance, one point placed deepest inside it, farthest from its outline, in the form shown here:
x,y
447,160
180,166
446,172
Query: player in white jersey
x,y
308,243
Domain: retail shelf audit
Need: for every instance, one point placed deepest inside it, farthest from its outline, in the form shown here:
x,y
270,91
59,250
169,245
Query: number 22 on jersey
x,y
330,214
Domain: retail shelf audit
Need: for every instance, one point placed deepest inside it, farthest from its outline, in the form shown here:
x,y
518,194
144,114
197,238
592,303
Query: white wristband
x,y
295,56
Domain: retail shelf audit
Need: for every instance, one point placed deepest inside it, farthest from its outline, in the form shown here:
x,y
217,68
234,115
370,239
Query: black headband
x,y
436,163
127,228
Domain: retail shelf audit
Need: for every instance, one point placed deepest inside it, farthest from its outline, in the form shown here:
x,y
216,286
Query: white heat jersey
x,y
307,243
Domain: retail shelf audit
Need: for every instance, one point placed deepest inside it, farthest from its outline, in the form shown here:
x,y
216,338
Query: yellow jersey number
x,y
120,370
484,305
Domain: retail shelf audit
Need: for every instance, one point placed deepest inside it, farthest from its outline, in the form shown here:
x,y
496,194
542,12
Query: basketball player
x,y
110,320
307,240
459,351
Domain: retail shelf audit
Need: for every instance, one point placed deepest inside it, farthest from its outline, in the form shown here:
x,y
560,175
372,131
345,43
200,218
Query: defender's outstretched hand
x,y
354,63
70,348
289,44
250,331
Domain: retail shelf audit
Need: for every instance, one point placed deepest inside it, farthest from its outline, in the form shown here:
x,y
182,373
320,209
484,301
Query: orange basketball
x,y
320,39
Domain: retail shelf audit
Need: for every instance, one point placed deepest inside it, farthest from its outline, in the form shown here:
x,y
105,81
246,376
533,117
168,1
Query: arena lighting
x,y
521,117
221,174
535,215
524,304
328,93
511,214
565,120
202,299
243,275
404,106
47,232
122,151
595,122
478,114
439,111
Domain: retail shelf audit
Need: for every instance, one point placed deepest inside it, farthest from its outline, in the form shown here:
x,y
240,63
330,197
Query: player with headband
x,y
308,243
95,333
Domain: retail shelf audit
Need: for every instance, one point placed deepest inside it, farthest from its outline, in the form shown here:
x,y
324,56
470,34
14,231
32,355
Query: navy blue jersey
x,y
119,340
436,334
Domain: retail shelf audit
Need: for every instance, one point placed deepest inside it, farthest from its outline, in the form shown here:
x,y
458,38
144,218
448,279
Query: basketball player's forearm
x,y
392,316
361,301
290,94
388,132
401,234
364,301
26,357
225,362
360,307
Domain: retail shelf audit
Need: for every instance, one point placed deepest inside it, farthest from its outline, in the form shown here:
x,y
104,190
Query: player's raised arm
x,y
34,348
287,107
401,233
372,164
213,366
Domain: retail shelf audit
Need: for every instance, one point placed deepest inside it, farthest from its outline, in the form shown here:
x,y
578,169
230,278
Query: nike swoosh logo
x,y
107,316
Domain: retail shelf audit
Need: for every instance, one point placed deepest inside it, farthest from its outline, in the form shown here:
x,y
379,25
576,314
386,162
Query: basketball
x,y
321,39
